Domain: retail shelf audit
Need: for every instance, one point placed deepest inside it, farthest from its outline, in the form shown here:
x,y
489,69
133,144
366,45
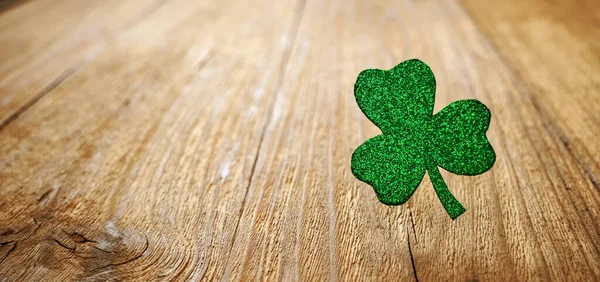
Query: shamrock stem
x,y
451,204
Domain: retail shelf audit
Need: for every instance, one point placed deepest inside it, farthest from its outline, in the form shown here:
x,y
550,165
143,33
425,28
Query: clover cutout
x,y
414,140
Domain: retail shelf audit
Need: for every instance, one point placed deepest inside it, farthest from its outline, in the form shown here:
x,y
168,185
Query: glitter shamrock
x,y
414,140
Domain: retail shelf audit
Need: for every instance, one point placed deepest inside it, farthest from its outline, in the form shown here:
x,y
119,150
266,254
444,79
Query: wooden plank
x,y
305,216
44,42
137,165
534,216
552,50
212,140
555,48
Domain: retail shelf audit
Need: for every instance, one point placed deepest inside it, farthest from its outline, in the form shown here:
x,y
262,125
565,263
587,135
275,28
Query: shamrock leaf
x,y
414,140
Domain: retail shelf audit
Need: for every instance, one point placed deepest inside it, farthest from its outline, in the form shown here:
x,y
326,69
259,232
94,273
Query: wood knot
x,y
78,238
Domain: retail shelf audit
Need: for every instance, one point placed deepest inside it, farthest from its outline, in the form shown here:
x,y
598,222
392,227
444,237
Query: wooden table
x,y
204,140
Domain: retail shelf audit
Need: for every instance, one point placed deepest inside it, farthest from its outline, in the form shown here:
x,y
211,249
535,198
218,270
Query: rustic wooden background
x,y
204,140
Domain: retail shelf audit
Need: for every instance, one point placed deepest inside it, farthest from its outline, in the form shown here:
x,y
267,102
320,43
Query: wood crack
x,y
47,89
412,224
412,258
15,242
72,249
12,249
11,232
299,11
78,237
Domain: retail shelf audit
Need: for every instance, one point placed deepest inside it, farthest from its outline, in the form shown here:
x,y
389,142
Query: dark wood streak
x,y
7,5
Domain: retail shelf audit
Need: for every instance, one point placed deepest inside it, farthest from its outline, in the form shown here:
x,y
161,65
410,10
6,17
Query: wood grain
x,y
138,151
44,43
211,140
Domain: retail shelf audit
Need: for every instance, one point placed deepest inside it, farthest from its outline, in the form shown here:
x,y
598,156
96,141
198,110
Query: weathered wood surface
x,y
205,140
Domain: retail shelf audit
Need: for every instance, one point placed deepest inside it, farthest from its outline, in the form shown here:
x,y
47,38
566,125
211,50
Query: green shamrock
x,y
414,140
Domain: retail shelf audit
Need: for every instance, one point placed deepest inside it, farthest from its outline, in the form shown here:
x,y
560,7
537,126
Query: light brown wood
x,y
146,151
211,140
43,43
